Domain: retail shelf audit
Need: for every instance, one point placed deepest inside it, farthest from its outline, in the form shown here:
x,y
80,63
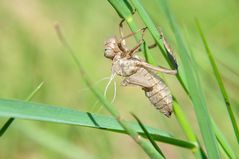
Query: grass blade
x,y
35,111
220,82
219,135
10,120
6,126
195,91
34,91
223,142
198,151
148,135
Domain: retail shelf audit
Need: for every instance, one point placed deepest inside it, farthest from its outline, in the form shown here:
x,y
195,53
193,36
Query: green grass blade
x,y
219,135
195,91
34,91
6,126
125,8
148,135
42,112
187,129
10,120
223,142
184,122
148,57
220,82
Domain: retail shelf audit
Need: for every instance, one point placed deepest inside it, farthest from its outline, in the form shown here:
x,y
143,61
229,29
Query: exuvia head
x,y
114,46
111,48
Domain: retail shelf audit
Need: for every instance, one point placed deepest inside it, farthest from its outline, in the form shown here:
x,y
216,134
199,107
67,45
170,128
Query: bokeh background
x,y
30,53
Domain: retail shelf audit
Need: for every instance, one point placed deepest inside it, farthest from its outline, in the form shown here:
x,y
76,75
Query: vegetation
x,y
205,90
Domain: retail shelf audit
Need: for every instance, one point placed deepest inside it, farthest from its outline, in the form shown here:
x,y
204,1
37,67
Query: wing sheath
x,y
140,78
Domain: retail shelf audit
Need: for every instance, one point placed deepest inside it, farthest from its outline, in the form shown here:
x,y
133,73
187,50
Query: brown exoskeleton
x,y
138,72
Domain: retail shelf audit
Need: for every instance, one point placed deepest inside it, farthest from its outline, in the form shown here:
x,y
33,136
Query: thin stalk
x,y
56,114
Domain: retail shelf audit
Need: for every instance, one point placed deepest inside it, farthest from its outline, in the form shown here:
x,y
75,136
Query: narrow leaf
x,y
223,142
194,89
41,112
148,135
220,82
219,135
6,126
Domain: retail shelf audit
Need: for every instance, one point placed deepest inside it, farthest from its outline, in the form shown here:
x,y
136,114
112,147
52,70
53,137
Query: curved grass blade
x,y
148,135
219,135
10,120
42,112
220,82
125,7
194,89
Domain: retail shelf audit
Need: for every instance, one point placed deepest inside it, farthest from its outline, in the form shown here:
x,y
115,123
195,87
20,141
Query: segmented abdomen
x,y
159,95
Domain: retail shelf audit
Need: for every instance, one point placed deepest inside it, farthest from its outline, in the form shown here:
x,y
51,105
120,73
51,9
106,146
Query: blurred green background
x,y
30,52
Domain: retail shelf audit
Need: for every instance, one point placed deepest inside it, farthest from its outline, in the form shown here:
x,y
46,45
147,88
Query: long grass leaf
x,y
187,129
219,135
6,126
220,82
195,91
42,112
148,135
223,142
